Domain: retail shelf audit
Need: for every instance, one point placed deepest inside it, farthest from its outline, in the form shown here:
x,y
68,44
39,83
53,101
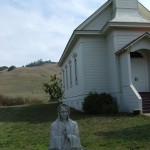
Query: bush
x,y
3,68
103,103
11,68
39,63
53,88
8,101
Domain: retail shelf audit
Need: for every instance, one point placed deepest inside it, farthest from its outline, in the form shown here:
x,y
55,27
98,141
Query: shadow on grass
x,y
38,113
136,133
29,113
41,113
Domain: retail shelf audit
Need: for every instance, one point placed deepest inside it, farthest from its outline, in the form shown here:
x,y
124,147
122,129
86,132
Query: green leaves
x,y
53,88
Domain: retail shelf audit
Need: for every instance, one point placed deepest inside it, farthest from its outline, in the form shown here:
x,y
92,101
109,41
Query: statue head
x,y
63,112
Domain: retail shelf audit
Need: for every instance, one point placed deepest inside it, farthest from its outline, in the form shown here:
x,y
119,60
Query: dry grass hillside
x,y
27,81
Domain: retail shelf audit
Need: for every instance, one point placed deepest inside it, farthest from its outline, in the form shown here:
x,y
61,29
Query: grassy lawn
x,y
27,128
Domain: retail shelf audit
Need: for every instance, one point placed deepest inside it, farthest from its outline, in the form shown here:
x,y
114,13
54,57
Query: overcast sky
x,y
40,29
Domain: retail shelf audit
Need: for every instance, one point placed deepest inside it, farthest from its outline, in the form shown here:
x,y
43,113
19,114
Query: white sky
x,y
40,29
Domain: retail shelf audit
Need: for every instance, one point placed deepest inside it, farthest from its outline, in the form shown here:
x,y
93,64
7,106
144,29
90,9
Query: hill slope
x,y
27,81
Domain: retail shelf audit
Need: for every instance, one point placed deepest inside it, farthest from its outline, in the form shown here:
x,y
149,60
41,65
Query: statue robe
x,y
57,139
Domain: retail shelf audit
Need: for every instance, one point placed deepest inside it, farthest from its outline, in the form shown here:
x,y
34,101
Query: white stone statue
x,y
64,133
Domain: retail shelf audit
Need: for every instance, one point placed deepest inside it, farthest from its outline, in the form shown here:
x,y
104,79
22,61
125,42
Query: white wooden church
x,y
110,52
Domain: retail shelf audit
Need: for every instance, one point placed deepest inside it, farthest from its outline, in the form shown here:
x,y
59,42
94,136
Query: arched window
x,y
63,72
75,67
135,55
67,77
70,66
76,73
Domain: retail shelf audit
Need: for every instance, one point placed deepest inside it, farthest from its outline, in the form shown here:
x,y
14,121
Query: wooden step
x,y
145,101
144,94
145,105
146,111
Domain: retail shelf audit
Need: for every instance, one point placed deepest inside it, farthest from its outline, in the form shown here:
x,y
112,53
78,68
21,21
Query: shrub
x,y
3,68
39,63
11,68
8,101
103,103
36,101
53,88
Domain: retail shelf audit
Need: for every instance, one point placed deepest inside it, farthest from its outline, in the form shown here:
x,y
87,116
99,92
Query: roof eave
x,y
132,43
66,49
110,25
74,37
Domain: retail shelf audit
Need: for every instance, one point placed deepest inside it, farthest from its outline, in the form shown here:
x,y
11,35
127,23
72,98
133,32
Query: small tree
x,y
53,88
11,68
3,68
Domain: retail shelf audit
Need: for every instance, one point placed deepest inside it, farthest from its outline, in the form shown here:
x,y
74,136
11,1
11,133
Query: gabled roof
x,y
143,11
133,42
139,19
139,15
95,14
128,11
129,15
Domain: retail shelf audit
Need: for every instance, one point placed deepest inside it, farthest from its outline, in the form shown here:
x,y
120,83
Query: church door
x,y
139,78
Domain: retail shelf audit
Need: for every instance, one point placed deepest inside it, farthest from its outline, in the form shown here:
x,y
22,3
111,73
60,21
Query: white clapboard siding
x,y
92,70
94,52
124,69
111,66
74,92
122,38
130,98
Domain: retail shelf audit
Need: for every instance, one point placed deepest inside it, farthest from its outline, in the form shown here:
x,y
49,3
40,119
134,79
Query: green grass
x,y
27,128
